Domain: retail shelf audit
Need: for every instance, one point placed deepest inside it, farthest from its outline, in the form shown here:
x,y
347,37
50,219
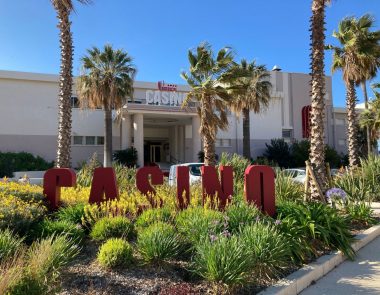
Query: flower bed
x,y
126,246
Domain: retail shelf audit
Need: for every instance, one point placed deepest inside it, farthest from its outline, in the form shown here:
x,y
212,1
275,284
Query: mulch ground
x,y
84,276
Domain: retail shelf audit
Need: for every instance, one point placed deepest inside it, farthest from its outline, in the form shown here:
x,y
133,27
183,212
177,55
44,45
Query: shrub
x,y
197,223
49,228
72,213
356,186
317,225
127,157
159,242
84,175
21,161
238,163
269,250
19,215
115,252
154,215
279,151
240,214
223,260
23,191
286,188
112,227
44,262
9,244
361,213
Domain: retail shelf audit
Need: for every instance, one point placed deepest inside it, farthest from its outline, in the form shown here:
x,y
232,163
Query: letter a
x,y
103,187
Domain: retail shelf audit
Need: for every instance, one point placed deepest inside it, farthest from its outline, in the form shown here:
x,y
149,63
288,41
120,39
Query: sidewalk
x,y
361,276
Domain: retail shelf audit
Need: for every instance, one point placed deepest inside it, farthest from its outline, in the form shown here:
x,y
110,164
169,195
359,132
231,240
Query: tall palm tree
x,y
369,62
317,133
63,9
370,118
357,59
106,82
208,78
251,91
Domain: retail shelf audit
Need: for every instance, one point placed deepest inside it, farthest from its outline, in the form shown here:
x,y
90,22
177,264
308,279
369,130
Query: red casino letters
x,y
259,188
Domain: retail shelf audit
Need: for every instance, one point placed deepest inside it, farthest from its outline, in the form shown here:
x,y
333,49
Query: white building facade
x,y
154,122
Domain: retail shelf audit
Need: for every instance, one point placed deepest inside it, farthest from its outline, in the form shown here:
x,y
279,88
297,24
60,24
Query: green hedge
x,y
22,161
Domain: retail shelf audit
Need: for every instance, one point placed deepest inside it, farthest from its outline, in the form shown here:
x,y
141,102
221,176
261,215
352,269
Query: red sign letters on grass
x,y
259,185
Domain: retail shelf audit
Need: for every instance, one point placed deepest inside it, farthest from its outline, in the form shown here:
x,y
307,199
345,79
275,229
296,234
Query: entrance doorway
x,y
155,153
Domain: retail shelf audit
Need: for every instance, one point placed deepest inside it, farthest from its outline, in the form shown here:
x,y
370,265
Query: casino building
x,y
154,121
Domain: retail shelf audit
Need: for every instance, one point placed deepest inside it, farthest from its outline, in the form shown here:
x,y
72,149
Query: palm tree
x,y
106,82
251,89
358,61
63,9
369,58
370,118
208,79
317,133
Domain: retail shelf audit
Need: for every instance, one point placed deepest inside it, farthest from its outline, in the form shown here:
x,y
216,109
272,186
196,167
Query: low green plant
x,y
115,252
269,250
197,223
72,213
222,260
19,215
240,214
43,264
154,215
49,228
317,225
356,185
159,242
112,227
286,188
9,244
361,213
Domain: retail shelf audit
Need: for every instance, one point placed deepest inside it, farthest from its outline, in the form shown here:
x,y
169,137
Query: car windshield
x,y
195,169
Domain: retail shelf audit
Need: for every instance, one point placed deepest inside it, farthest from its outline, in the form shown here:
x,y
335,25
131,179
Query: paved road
x,y
361,276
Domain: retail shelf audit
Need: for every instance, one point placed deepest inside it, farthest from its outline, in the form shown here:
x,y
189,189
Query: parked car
x,y
298,175
194,173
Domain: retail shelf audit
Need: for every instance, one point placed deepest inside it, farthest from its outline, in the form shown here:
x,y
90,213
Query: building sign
x,y
165,95
166,87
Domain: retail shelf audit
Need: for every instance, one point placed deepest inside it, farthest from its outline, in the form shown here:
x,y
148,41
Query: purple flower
x,y
226,233
277,222
336,193
213,238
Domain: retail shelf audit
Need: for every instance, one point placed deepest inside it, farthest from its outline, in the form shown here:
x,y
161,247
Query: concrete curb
x,y
302,278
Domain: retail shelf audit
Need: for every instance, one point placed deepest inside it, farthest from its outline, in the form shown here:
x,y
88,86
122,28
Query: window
x,y
78,140
287,133
100,140
218,142
342,142
340,122
74,102
90,140
226,142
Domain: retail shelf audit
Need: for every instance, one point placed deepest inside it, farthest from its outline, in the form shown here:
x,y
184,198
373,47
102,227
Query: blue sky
x,y
157,34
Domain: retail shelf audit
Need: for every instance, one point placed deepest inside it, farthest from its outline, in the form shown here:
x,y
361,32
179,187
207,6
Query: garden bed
x,y
126,247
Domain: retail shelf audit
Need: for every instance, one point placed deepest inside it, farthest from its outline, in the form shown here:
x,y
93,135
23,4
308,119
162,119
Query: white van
x,y
194,173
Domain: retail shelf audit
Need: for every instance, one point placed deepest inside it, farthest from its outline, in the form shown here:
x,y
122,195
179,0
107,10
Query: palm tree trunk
x,y
352,132
65,86
107,138
368,132
208,131
317,144
246,134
